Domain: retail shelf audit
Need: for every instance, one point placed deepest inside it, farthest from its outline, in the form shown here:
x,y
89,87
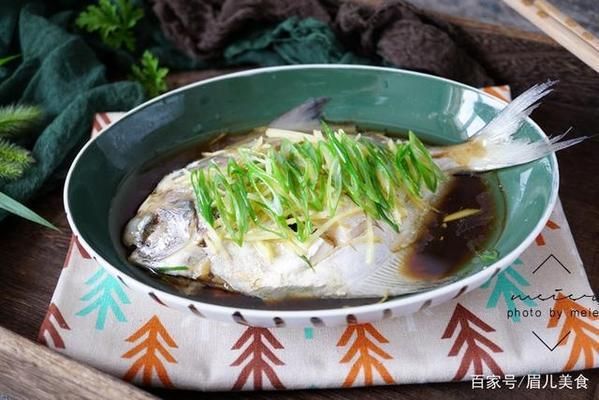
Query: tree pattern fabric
x,y
365,354
506,285
96,319
259,358
149,351
472,339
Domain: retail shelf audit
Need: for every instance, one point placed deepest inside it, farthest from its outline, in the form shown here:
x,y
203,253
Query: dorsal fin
x,y
303,118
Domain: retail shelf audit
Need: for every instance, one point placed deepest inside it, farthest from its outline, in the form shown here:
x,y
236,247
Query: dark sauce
x,y
441,249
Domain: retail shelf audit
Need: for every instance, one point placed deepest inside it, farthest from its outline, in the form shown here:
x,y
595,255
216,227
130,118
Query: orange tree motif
x,y
48,327
366,351
258,355
150,361
576,327
82,251
540,239
469,337
72,245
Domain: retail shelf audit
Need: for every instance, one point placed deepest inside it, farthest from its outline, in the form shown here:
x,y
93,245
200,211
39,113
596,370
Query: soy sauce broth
x,y
443,247
441,250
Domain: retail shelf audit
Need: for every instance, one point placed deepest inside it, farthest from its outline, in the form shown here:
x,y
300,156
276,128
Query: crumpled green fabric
x,y
293,41
60,73
61,70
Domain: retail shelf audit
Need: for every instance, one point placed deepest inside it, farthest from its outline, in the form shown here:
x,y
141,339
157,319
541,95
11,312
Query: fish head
x,y
159,233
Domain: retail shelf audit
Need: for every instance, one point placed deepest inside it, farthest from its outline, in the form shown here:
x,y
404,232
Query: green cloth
x,y
62,70
60,73
293,41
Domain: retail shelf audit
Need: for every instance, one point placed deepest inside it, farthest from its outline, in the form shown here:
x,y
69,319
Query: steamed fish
x,y
304,210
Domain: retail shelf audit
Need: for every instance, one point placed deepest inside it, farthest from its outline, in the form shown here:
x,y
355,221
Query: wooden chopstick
x,y
567,21
561,28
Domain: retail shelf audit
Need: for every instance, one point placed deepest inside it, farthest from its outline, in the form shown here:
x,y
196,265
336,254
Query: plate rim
x,y
416,298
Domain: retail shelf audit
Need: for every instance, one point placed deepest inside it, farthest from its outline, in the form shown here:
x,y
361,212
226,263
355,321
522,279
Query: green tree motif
x,y
102,297
507,285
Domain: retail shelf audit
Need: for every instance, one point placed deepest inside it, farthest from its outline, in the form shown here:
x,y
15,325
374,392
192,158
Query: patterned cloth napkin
x,y
495,330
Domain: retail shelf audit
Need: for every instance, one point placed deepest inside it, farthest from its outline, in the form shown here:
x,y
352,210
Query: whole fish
x,y
350,254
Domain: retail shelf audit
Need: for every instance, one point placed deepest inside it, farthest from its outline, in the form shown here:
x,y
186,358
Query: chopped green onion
x,y
265,187
307,261
171,269
489,256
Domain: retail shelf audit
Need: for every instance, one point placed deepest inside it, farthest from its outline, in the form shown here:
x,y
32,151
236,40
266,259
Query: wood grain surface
x,y
31,257
25,365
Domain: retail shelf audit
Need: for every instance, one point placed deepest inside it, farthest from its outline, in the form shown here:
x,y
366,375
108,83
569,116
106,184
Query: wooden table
x,y
31,257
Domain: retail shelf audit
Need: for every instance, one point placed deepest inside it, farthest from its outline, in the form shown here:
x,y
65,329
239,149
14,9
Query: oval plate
x,y
439,110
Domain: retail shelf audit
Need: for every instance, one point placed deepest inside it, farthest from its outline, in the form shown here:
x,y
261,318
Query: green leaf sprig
x,y
12,206
113,20
282,190
7,59
151,76
18,119
14,160
15,121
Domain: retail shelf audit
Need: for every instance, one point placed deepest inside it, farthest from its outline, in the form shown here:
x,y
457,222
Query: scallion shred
x,y
263,187
172,269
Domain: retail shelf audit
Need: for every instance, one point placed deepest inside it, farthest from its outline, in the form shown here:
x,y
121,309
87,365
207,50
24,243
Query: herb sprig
x,y
151,76
114,21
281,189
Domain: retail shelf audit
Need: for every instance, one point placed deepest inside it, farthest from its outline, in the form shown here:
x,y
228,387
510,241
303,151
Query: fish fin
x,y
303,118
389,278
496,146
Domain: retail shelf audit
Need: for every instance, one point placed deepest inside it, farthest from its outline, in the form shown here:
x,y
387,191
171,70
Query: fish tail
x,y
497,145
